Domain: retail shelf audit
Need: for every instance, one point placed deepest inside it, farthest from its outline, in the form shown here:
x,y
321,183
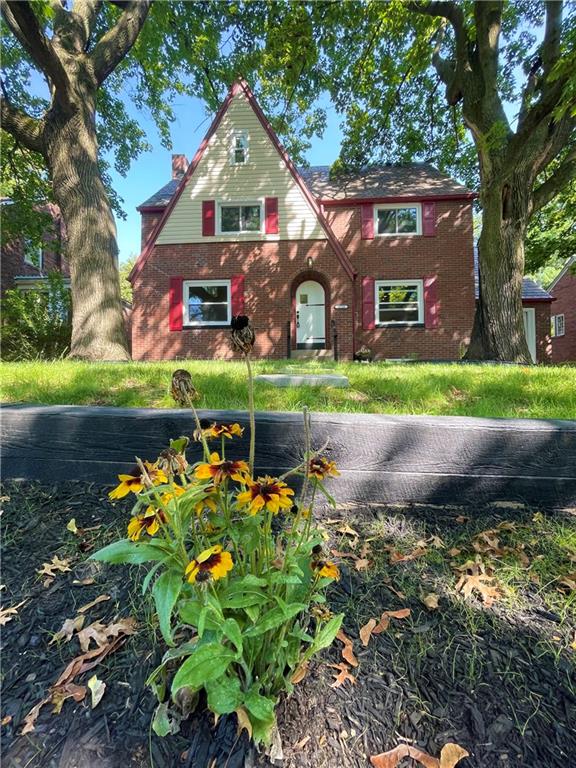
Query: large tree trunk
x,y
498,332
98,331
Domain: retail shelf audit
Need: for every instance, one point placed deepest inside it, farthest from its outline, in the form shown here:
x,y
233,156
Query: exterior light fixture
x,y
309,262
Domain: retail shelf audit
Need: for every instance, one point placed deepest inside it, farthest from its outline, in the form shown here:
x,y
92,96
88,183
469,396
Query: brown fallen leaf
x,y
454,552
348,650
100,632
97,688
6,720
395,591
300,672
475,578
343,675
83,582
384,622
99,599
68,628
430,601
366,631
461,519
568,581
362,564
60,693
56,565
399,557
391,758
301,744
347,530
451,754
7,614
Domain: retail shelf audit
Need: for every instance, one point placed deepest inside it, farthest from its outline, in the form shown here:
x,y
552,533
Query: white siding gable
x,y
264,175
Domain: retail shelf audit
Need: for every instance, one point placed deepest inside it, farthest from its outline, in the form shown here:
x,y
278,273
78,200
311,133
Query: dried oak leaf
x,y
348,650
450,755
60,693
99,599
431,601
399,557
343,675
361,564
68,628
7,614
474,578
366,631
101,632
56,565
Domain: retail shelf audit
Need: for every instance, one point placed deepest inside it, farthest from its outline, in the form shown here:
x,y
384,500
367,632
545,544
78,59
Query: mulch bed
x,y
488,679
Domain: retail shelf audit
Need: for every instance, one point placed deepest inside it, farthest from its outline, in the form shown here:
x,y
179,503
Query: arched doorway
x,y
310,315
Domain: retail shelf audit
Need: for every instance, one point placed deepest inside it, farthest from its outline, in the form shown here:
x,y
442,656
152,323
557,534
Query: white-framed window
x,y
239,218
399,302
32,253
398,220
558,325
207,302
239,149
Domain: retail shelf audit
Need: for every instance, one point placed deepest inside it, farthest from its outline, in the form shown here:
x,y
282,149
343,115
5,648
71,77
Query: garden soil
x,y
487,680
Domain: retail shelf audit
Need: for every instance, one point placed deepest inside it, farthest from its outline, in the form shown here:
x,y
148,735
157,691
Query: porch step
x,y
312,354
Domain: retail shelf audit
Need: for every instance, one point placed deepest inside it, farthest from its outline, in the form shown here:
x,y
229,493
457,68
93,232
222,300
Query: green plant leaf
x,y
180,444
208,662
149,576
224,695
166,590
232,631
134,552
261,712
330,498
190,613
326,636
274,618
161,724
242,598
252,611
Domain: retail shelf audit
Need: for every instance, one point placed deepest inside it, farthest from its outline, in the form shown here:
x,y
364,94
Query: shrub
x,y
239,570
36,323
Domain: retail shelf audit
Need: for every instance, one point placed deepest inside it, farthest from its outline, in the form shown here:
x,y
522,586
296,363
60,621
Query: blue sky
x,y
153,169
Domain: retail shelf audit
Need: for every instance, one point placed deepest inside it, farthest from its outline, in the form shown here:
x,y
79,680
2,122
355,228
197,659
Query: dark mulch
x,y
500,682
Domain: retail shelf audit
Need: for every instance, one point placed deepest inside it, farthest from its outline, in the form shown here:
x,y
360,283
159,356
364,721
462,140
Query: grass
x,y
416,388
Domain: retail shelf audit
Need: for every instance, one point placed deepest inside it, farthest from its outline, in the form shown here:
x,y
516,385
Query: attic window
x,y
240,149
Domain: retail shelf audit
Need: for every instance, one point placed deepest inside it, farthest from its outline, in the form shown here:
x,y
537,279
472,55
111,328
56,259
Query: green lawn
x,y
461,390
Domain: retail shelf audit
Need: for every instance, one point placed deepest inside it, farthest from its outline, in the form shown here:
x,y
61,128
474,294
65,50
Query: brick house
x,y
382,259
25,265
563,321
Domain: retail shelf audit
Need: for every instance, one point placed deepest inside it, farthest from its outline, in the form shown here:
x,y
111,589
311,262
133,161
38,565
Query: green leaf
x,y
260,706
180,444
232,631
161,724
330,498
326,636
274,618
149,576
243,598
208,662
252,611
134,552
166,590
202,620
224,695
190,613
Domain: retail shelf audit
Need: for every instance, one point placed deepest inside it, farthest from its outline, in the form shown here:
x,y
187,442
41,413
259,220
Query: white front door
x,y
310,314
530,330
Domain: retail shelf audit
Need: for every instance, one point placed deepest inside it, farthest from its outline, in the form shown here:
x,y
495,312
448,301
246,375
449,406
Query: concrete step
x,y
312,354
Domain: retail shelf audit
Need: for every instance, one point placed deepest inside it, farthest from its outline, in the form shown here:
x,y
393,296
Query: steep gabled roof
x,y
237,88
569,262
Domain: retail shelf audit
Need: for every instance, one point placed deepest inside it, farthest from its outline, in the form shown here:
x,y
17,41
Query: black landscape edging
x,y
441,459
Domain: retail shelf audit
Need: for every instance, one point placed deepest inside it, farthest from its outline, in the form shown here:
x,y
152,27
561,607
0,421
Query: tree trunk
x,y
98,331
498,332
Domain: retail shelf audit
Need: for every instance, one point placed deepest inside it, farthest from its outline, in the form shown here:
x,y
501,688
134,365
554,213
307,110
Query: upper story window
x,y
240,149
238,218
207,302
32,253
399,301
398,219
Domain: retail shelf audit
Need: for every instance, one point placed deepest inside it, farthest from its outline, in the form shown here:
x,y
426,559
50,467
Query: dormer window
x,y
240,149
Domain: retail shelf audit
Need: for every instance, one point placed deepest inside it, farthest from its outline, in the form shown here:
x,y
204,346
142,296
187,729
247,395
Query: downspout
x,y
354,316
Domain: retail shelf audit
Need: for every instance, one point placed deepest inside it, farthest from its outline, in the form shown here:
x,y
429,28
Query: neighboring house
x,y
563,320
25,266
382,259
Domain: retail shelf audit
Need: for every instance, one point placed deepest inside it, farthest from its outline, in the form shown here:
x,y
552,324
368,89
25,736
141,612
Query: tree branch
x,y
23,24
548,190
488,17
551,44
25,129
115,44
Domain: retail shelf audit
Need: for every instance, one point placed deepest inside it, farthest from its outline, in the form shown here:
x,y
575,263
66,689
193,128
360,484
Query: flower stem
x,y
251,415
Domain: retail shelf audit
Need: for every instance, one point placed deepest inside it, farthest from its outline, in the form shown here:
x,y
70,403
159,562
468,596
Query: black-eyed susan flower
x,y
266,492
212,430
182,388
136,481
321,468
242,334
148,523
217,470
214,563
172,462
326,569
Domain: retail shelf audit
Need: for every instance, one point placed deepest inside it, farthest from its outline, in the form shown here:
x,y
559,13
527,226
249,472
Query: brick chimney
x,y
179,166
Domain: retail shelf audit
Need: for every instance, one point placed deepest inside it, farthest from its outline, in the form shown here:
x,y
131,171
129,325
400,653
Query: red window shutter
x,y
428,219
237,294
176,308
271,215
368,309
208,218
431,303
367,214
